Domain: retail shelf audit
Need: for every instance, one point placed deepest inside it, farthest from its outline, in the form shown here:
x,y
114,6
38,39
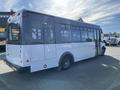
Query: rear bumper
x,y
16,67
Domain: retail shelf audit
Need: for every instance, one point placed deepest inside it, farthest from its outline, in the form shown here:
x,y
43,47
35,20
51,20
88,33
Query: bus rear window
x,y
14,31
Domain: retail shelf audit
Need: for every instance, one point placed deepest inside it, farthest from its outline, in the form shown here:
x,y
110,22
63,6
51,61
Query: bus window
x,y
75,35
84,34
14,31
65,33
34,33
95,36
49,34
90,35
37,35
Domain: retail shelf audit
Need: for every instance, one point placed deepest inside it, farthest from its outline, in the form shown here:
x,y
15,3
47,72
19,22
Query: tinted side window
x,y
75,34
90,35
65,33
95,34
49,33
84,34
37,35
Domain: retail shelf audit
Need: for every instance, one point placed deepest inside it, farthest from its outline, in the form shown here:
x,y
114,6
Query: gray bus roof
x,y
84,23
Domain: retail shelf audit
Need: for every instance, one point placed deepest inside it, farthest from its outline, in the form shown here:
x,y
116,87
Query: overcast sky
x,y
105,13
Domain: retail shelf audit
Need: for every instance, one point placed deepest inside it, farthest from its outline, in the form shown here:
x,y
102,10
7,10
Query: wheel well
x,y
66,54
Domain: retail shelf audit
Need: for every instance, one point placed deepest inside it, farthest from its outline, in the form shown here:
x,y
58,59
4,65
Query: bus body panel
x,y
43,57
37,60
79,50
50,51
26,55
14,54
53,61
39,54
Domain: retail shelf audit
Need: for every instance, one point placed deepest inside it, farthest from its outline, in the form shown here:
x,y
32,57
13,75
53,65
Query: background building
x,y
114,34
3,23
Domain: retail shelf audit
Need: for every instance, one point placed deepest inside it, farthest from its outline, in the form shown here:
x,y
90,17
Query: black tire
x,y
103,51
66,63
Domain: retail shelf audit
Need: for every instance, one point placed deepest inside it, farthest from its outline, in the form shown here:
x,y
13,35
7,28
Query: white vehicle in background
x,y
38,41
105,39
109,40
113,41
118,40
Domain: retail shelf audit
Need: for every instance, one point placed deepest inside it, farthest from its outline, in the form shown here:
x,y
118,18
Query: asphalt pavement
x,y
100,73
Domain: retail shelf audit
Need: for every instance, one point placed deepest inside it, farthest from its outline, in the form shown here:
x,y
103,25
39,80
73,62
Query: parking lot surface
x,y
100,73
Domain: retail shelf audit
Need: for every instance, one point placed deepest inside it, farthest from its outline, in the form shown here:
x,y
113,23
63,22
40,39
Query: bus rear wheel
x,y
65,63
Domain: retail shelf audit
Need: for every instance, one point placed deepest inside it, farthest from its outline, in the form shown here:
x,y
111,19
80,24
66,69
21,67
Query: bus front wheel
x,y
103,51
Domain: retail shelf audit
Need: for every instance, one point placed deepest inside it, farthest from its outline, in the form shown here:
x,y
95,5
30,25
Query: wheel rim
x,y
66,64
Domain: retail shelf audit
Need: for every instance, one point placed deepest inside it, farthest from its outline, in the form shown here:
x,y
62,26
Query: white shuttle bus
x,y
37,41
